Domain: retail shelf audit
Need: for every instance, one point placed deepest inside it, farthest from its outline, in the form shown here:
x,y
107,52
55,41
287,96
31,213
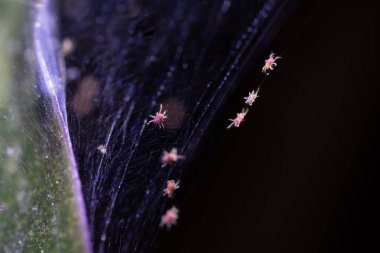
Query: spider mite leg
x,y
159,118
170,157
252,97
270,63
239,119
169,218
170,188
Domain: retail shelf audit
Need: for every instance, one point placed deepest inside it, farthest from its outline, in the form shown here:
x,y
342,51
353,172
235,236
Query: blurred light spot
x,y
72,74
176,112
13,151
14,154
226,6
153,58
68,46
83,100
3,207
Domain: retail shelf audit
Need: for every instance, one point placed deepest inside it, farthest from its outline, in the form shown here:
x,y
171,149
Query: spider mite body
x,y
239,118
170,157
158,118
170,218
251,97
170,188
270,63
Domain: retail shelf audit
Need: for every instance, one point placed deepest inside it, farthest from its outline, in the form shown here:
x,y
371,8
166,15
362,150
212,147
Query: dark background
x,y
299,175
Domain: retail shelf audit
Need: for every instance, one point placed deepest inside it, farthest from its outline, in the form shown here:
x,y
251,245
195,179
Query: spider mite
x,y
102,149
159,118
239,118
251,97
170,218
170,157
270,63
170,188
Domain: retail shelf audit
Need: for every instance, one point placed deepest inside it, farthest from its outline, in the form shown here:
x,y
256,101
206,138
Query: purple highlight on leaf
x,y
51,83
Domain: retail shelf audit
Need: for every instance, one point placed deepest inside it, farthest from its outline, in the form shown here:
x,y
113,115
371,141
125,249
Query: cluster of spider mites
x,y
171,216
270,63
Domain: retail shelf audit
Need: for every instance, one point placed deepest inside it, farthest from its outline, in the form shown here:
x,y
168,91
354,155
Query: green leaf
x,y
41,204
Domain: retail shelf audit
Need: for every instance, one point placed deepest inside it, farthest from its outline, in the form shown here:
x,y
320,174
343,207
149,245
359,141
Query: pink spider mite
x,y
251,97
159,118
270,63
170,218
239,118
170,188
170,157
